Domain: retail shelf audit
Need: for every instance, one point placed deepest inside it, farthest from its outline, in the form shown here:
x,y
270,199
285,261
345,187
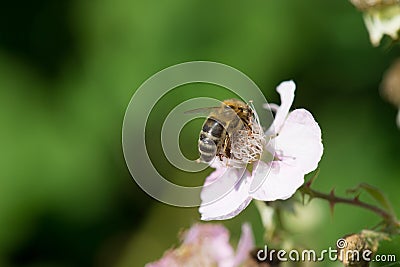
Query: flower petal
x,y
271,106
167,260
275,180
226,195
246,244
205,231
299,142
381,21
286,90
203,245
212,240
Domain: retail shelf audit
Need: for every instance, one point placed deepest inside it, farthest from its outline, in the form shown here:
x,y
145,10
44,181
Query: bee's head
x,y
240,108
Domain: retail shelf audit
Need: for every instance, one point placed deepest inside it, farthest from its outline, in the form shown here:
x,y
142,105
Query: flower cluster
x,y
293,148
206,245
380,18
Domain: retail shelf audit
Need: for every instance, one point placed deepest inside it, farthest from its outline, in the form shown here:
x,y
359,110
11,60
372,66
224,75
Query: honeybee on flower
x,y
290,148
233,132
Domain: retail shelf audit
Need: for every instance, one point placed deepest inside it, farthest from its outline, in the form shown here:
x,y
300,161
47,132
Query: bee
x,y
222,123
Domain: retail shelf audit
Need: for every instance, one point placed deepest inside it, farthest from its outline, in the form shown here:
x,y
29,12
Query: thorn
x,y
332,193
357,198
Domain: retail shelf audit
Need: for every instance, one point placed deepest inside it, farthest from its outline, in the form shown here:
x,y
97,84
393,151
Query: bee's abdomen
x,y
209,140
207,149
213,128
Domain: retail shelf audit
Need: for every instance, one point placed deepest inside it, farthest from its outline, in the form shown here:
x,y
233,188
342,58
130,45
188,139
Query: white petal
x,y
374,29
226,196
299,142
280,180
271,106
219,171
286,90
382,21
398,119
246,244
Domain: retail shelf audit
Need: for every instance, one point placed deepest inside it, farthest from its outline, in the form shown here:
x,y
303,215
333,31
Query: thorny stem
x,y
389,218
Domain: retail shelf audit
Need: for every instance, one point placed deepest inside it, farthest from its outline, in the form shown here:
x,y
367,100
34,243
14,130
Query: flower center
x,y
247,145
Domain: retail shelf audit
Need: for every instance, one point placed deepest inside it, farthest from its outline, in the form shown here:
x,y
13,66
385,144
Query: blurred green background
x,y
68,70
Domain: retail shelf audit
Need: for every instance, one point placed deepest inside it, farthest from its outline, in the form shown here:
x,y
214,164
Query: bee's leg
x,y
227,147
246,124
219,149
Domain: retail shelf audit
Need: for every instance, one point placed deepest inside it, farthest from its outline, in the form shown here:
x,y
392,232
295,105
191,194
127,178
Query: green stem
x,y
388,217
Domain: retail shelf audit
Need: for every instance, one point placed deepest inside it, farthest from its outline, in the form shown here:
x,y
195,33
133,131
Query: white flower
x,y
382,20
294,150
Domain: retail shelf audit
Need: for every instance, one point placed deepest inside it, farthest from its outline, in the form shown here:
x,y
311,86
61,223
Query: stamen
x,y
271,106
279,156
247,145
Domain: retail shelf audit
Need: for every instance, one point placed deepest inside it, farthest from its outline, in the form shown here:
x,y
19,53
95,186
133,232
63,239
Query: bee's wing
x,y
204,111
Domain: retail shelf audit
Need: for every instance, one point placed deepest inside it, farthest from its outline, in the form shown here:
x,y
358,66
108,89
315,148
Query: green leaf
x,y
376,194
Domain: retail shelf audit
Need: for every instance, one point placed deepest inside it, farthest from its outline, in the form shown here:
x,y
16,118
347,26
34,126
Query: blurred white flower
x,y
382,21
380,18
207,245
294,149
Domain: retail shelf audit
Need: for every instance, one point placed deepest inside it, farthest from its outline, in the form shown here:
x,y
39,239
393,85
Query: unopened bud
x,y
357,250
351,249
390,87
